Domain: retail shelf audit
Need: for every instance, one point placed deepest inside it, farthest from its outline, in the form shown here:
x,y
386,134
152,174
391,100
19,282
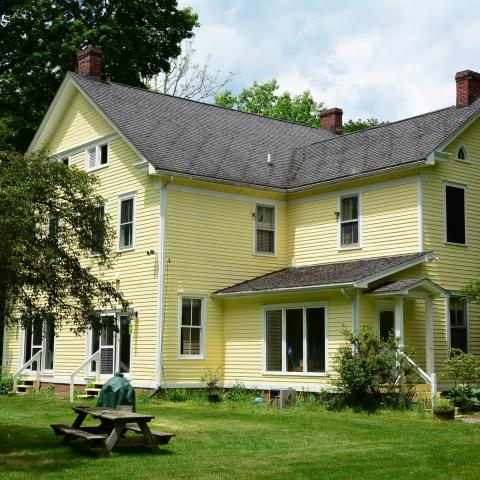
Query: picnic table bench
x,y
114,424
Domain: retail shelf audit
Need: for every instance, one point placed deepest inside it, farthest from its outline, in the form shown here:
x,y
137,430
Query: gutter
x,y
161,282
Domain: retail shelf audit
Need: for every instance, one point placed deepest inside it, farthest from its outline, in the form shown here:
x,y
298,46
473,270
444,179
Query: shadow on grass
x,y
32,449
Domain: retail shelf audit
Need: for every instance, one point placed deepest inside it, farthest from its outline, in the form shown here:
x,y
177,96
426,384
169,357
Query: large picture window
x,y
458,324
265,229
192,326
455,213
295,340
349,221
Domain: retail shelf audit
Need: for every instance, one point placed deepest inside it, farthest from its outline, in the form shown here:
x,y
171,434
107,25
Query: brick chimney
x,y
468,87
332,119
89,61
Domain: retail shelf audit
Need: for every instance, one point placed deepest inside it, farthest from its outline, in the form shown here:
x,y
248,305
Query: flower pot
x,y
444,414
213,398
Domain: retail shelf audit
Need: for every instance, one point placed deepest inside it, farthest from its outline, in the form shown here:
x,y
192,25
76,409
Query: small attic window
x,y
462,154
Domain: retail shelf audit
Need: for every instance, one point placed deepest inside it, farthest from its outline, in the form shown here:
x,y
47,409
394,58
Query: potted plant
x,y
444,409
212,379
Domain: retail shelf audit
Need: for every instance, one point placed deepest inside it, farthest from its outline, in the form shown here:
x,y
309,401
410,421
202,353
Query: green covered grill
x,y
116,392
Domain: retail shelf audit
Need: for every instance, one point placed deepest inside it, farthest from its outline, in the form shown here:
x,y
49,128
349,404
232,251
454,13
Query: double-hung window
x,y
97,156
127,222
295,339
455,214
265,229
458,324
53,228
192,326
350,221
98,239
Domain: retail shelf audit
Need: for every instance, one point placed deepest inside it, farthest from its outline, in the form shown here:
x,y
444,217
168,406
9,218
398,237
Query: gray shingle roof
x,y
193,138
395,285
340,273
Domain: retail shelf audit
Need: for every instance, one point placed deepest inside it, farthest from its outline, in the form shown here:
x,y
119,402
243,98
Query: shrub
x,y
238,393
177,395
463,367
211,379
6,383
443,405
369,370
466,398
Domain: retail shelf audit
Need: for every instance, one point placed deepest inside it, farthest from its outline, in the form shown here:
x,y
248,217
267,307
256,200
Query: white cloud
x,y
386,59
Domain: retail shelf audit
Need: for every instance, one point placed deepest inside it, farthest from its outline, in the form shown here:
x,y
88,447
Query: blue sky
x,y
386,59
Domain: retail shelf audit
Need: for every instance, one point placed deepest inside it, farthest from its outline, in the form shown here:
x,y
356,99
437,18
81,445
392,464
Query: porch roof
x,y
357,273
406,286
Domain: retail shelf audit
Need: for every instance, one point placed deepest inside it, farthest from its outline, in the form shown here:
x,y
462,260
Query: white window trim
x,y
465,207
339,221
97,156
467,153
449,331
283,307
275,229
203,312
121,198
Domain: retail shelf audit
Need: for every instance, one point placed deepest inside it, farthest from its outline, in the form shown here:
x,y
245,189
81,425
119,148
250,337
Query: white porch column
x,y
430,357
399,331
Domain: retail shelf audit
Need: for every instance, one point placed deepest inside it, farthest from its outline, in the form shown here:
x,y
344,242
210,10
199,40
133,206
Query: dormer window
x,y
96,157
462,154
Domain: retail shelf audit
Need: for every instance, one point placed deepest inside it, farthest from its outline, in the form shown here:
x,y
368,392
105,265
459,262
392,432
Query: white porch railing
x,y
428,379
94,358
36,358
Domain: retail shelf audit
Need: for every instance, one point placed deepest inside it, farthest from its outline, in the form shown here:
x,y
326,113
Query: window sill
x,y
99,167
125,249
191,357
351,247
453,244
264,254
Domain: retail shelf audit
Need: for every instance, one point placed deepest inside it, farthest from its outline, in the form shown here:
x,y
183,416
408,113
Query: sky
x,y
388,59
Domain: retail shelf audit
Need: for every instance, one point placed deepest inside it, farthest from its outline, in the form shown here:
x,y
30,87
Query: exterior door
x,y
114,349
39,337
386,323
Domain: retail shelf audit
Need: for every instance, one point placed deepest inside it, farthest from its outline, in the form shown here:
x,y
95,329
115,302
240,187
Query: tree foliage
x,y
39,40
188,79
356,125
263,99
50,275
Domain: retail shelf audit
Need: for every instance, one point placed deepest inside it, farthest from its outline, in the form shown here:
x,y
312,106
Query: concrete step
x,y
25,389
28,382
92,391
85,397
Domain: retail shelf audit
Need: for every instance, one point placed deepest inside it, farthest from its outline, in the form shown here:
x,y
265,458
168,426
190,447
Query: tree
x,y
39,40
356,125
261,98
188,79
50,223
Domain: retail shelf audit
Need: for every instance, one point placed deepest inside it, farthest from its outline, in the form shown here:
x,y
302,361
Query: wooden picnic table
x,y
114,424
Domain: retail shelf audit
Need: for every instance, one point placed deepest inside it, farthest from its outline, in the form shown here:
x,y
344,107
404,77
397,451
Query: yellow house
x,y
250,243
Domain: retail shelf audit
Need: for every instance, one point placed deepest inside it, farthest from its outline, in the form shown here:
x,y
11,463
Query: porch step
x,y
93,391
25,389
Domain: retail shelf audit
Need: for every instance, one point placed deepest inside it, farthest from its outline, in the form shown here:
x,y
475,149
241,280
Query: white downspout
x,y
355,308
161,282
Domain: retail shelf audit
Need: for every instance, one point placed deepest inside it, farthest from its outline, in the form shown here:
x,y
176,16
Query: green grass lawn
x,y
243,441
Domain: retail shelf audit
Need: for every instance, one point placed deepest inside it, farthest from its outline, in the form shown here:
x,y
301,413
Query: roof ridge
x,y
107,82
345,135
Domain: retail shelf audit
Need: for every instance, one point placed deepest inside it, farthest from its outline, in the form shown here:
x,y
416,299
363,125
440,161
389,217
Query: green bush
x,y
463,367
369,370
238,393
176,395
466,398
6,383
